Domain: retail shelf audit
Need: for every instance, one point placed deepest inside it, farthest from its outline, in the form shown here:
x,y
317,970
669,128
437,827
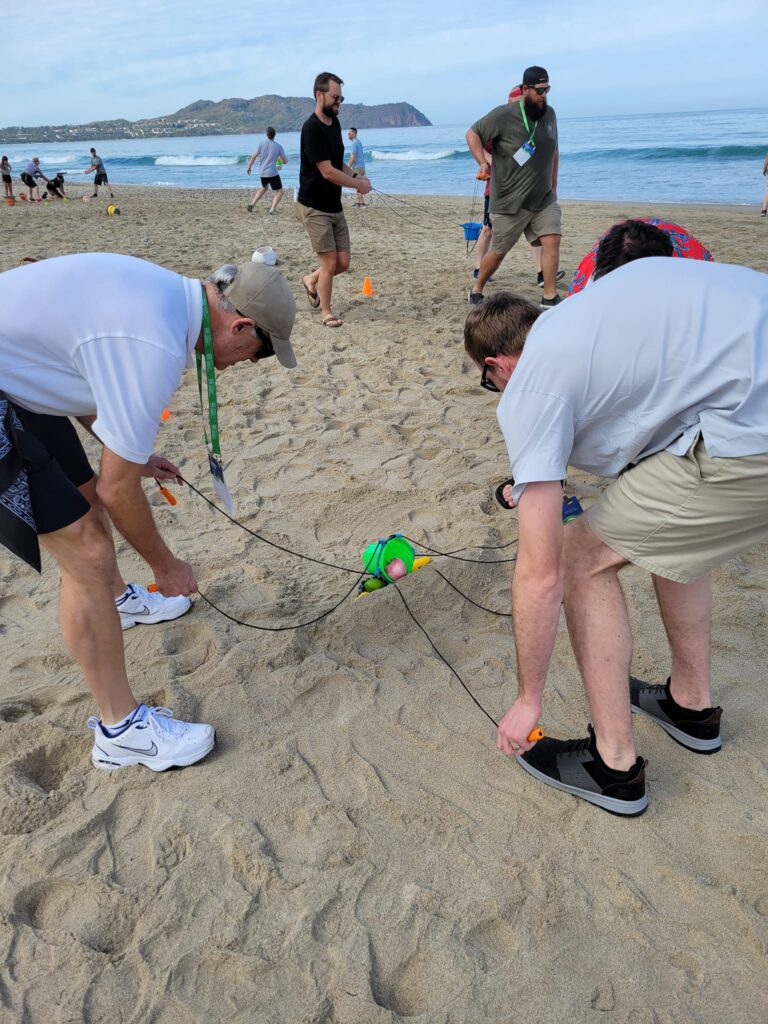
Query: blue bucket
x,y
471,230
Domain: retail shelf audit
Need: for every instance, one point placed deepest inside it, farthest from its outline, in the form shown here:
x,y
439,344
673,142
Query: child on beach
x,y
5,173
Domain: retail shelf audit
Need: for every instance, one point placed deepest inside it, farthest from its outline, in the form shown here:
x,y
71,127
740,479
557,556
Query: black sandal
x,y
499,492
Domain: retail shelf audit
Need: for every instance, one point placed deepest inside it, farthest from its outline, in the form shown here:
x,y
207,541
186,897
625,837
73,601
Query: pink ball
x,y
396,569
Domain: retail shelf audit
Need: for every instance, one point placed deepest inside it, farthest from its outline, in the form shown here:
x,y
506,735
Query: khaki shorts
x,y
680,516
507,228
328,232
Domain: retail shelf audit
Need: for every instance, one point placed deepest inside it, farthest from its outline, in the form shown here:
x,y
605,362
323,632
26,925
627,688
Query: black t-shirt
x,y
320,142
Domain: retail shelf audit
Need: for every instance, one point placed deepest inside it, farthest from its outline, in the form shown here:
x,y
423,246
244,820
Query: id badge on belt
x,y
524,154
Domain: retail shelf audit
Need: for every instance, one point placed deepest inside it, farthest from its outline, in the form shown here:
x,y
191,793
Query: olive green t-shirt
x,y
515,188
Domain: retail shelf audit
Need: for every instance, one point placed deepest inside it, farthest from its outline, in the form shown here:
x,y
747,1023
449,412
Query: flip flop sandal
x,y
332,321
312,297
499,492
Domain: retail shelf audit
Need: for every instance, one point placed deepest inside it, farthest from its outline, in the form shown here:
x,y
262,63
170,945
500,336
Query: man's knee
x,y
84,550
342,262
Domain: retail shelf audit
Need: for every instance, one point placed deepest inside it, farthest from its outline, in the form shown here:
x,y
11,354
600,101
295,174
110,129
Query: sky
x,y
84,61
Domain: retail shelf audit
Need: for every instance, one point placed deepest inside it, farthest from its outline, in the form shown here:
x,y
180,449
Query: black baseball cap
x,y
535,76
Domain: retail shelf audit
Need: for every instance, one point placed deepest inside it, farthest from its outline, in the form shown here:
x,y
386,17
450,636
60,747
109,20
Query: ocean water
x,y
705,157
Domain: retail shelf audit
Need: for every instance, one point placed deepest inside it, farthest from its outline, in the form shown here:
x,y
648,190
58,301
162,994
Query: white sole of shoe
x,y
105,763
151,620
689,742
626,808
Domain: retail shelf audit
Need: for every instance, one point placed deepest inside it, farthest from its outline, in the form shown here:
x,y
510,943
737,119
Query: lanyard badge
x,y
527,150
215,464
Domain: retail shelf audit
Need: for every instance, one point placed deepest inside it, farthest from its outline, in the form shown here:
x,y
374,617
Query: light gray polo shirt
x,y
641,361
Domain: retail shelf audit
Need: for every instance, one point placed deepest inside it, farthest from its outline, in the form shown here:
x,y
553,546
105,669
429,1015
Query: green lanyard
x,y
210,377
525,122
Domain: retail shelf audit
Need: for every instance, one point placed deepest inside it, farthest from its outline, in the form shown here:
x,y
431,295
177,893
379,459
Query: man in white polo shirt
x,y
105,339
656,375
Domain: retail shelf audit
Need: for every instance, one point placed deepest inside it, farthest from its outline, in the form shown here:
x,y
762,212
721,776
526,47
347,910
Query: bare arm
x,y
119,488
91,168
251,162
537,591
475,144
343,178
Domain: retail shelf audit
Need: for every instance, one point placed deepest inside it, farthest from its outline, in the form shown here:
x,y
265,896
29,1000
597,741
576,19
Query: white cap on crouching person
x,y
262,293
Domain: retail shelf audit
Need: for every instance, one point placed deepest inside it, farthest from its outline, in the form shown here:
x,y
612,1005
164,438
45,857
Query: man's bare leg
x,y
550,259
321,280
88,490
89,620
686,611
256,197
490,264
598,624
277,196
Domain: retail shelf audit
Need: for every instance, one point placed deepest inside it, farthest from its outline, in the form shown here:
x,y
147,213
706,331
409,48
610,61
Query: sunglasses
x,y
485,382
541,90
266,348
336,97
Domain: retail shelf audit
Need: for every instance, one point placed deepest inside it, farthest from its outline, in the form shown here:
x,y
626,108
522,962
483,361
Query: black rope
x,y
476,561
258,536
413,206
445,660
282,629
492,611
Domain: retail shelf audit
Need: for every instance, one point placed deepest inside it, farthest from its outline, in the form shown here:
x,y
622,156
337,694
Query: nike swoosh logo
x,y
149,751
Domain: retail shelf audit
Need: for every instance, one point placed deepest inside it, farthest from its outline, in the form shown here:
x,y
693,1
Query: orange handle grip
x,y
535,734
152,588
170,498
482,177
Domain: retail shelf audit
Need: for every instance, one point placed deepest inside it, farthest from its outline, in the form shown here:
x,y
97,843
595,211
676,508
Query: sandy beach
x,y
355,850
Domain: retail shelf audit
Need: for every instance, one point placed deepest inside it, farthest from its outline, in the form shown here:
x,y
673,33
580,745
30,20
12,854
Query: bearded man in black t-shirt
x,y
322,175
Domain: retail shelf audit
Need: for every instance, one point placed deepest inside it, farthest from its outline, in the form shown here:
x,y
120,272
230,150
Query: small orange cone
x,y
367,288
165,415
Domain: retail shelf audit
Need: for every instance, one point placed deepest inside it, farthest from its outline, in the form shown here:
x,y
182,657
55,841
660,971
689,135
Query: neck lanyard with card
x,y
215,464
526,151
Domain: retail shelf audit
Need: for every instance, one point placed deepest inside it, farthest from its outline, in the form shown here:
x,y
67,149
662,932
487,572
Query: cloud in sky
x,y
143,59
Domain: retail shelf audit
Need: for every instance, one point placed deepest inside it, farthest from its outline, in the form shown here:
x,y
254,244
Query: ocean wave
x,y
416,154
188,160
667,153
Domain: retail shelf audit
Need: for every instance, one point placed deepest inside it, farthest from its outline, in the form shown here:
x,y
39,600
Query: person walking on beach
x,y
100,178
5,173
684,433
29,177
106,339
356,162
271,156
523,139
322,175
764,209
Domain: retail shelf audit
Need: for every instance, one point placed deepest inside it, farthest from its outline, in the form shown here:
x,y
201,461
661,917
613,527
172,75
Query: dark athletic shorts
x,y
486,214
56,466
100,179
7,179
273,183
28,180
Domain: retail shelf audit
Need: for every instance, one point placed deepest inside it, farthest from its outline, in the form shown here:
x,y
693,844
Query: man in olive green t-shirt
x,y
523,140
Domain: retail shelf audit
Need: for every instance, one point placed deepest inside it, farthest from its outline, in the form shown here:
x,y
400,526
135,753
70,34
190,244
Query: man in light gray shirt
x,y
272,157
655,375
100,178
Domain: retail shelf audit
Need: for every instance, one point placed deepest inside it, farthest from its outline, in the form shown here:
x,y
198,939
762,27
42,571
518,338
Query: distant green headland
x,y
225,117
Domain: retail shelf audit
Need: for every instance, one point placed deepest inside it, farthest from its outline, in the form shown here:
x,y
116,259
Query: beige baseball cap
x,y
262,293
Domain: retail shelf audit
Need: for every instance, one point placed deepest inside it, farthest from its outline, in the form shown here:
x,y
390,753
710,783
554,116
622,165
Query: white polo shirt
x,y
99,334
642,361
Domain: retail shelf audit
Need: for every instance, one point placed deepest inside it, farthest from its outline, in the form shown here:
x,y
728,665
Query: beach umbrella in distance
x,y
683,243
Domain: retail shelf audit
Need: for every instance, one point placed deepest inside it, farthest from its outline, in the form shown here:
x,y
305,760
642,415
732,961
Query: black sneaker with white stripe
x,y
696,730
575,766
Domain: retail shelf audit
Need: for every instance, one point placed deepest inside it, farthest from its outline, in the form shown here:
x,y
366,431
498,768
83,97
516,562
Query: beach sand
x,y
355,849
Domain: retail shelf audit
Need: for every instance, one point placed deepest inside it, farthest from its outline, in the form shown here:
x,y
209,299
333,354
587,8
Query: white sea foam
x,y
413,154
188,160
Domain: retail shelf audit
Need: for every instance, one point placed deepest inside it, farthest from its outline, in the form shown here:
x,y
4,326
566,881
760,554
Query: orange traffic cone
x,y
367,288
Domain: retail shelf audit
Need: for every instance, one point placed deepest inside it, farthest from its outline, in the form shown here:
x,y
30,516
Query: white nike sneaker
x,y
139,605
154,738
